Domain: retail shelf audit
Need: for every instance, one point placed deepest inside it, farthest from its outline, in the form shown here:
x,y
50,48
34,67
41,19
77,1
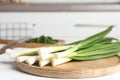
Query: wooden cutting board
x,y
75,69
32,44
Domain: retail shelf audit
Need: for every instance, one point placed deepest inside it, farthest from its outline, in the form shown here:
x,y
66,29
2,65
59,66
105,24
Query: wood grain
x,y
33,45
75,69
58,7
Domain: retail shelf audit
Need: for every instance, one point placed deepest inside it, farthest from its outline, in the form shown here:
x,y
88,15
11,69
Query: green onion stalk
x,y
85,43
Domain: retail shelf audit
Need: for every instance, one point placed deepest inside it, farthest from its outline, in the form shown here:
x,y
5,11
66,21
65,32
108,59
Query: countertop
x,y
8,71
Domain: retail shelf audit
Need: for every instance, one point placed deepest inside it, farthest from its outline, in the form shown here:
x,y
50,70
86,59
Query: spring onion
x,y
14,54
22,58
31,60
97,46
94,57
108,40
97,49
44,52
43,62
55,61
85,43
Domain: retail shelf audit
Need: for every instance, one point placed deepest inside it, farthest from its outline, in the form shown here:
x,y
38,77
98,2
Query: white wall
x,y
61,25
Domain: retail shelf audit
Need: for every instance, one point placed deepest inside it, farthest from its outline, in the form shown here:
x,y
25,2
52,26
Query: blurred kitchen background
x,y
63,1
70,20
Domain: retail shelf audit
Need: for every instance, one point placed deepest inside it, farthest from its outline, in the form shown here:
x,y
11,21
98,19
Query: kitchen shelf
x,y
57,7
11,3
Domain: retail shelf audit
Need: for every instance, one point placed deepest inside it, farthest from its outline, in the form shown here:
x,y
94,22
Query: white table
x,y
8,71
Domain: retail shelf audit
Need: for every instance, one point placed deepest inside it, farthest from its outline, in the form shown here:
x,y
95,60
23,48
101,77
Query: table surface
x,y
8,71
